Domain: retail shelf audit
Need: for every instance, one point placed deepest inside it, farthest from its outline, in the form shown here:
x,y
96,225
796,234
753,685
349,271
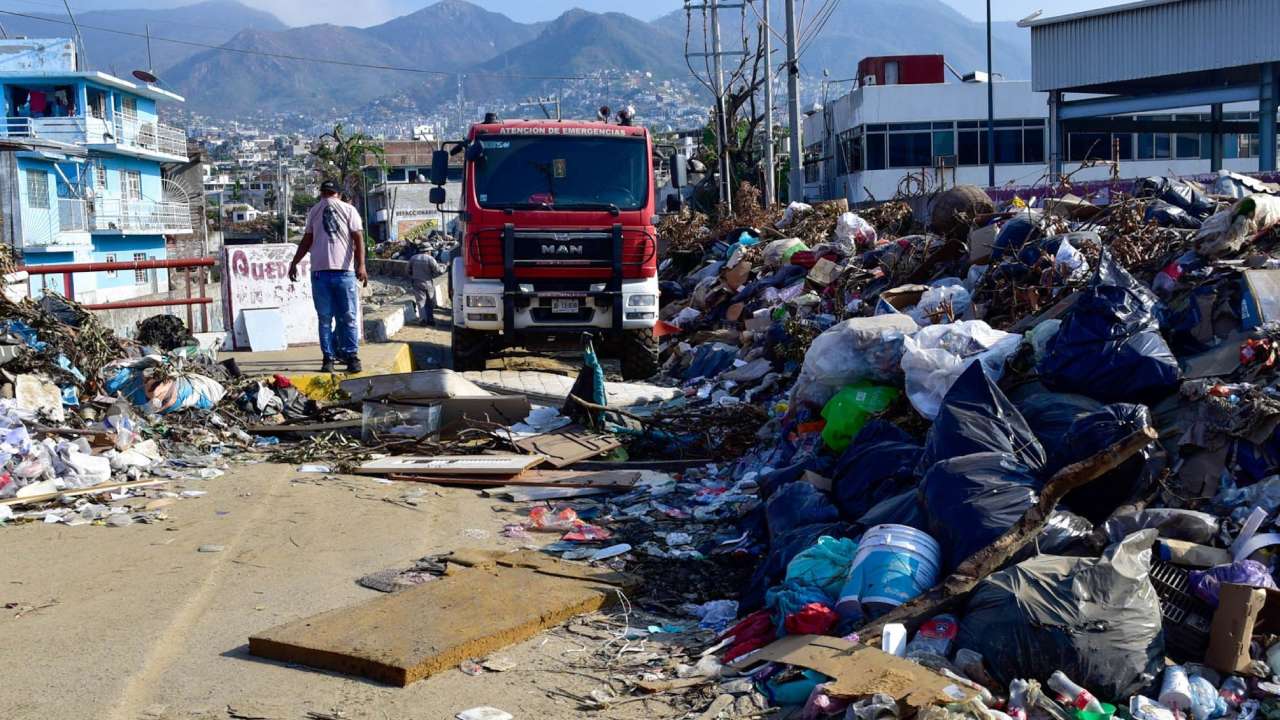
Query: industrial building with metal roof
x,y
1160,55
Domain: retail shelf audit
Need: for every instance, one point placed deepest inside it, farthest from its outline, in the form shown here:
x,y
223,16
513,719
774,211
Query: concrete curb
x,y
386,321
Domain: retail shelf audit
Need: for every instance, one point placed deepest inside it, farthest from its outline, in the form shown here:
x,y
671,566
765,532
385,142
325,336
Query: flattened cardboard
x,y
981,242
567,445
860,670
1242,612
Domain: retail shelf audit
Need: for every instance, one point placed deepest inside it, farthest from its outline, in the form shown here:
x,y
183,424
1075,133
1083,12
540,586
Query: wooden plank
x,y
609,479
406,636
82,491
307,428
450,465
567,445
658,465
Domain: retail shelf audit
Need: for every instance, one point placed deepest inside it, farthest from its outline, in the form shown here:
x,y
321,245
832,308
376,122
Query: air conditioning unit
x,y
977,76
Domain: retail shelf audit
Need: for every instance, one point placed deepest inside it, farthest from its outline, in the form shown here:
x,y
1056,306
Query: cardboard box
x,y
981,242
1242,612
1261,303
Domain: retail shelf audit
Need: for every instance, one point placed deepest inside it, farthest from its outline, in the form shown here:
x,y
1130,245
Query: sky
x,y
305,12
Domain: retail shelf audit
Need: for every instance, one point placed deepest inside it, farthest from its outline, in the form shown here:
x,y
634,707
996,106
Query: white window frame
x,y
100,176
131,184
141,277
37,189
111,257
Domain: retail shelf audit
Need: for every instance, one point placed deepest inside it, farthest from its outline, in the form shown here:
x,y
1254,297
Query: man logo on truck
x,y
563,250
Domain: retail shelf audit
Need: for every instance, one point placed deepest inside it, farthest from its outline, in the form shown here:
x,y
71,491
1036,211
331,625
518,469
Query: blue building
x,y
85,176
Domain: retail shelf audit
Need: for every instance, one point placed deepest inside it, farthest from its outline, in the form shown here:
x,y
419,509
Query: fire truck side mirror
x,y
437,196
679,171
439,167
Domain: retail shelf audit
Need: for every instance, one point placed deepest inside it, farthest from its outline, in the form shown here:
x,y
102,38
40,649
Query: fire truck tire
x,y
639,354
470,349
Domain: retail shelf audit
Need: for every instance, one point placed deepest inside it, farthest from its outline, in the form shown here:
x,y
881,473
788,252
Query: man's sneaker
x,y
353,364
326,365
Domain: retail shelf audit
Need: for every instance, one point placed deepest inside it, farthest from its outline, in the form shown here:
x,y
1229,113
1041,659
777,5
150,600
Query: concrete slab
x,y
302,365
547,388
401,638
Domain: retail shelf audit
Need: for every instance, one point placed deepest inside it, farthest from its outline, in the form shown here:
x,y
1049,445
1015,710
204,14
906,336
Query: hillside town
x,y
707,361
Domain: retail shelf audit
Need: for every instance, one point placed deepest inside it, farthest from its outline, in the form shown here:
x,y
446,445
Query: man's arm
x,y
304,247
357,244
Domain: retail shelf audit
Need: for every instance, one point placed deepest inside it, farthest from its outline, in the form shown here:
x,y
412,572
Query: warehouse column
x,y
1055,137
1267,119
1215,137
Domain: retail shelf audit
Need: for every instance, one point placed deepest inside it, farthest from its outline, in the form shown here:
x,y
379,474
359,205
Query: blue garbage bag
x,y
901,509
796,505
1109,345
1094,433
1050,414
782,548
976,417
972,500
880,463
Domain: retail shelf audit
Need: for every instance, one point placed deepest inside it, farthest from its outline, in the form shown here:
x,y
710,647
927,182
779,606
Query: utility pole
x,y
462,120
769,195
726,182
796,186
991,109
285,197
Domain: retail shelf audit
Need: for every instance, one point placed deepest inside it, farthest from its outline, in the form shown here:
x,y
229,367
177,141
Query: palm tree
x,y
342,156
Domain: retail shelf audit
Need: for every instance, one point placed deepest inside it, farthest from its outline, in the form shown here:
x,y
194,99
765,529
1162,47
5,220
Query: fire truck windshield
x,y
562,173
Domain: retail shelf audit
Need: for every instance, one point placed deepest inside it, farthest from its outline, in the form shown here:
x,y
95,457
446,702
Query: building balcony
x,y
170,217
66,226
126,133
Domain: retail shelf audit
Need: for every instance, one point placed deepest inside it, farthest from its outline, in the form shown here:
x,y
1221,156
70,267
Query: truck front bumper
x,y
483,305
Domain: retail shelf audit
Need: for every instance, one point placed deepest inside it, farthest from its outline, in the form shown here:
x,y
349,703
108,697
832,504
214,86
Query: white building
x,y
885,136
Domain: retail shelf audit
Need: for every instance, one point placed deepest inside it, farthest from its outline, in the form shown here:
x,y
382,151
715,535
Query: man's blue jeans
x,y
334,293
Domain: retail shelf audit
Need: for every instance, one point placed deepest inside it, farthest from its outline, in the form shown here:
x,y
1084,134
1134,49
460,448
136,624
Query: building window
x,y
1188,145
100,176
131,184
140,277
875,148
37,189
910,150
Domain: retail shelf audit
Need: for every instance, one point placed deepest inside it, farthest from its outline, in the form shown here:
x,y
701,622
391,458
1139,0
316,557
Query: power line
x,y
299,58
198,26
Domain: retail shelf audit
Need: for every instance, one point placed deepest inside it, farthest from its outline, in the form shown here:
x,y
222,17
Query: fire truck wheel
x,y
639,354
470,349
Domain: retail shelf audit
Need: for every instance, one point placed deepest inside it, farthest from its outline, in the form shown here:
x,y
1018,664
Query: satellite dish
x,y
146,76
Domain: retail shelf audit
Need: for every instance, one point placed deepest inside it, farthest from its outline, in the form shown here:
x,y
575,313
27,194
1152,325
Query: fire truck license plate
x,y
564,305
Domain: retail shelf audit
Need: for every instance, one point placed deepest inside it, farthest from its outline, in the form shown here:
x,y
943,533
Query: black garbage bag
x,y
878,464
796,505
1050,414
1097,620
976,417
1169,215
1178,193
1172,523
1022,230
1064,533
166,332
1109,345
972,500
1093,434
901,509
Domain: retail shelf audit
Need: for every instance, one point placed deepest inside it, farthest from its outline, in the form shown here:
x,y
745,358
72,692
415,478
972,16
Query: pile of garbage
x,y
1029,447
87,416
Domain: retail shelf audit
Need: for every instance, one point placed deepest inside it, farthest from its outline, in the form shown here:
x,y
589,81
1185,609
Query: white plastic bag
x,y
1069,262
861,348
952,291
853,232
779,252
935,356
793,212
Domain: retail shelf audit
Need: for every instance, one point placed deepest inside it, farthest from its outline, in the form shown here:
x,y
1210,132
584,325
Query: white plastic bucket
x,y
894,564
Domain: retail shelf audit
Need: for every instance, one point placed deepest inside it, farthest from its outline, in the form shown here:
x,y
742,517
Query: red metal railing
x,y
68,270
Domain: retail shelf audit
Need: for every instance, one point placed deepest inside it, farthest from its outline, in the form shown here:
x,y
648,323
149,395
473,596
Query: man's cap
x,y
329,186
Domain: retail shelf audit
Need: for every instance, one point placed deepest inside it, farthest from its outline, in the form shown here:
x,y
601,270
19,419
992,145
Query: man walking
x,y
423,270
334,238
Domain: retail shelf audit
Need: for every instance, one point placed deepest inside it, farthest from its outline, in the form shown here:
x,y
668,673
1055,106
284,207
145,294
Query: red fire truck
x,y
557,229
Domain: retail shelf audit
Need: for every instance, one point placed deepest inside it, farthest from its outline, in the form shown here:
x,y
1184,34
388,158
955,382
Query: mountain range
x,y
257,64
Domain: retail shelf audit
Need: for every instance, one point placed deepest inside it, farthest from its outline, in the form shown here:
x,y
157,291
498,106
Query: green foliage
x,y
341,156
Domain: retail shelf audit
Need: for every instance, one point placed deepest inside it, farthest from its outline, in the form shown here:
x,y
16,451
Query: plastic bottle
x,y
1018,699
1078,697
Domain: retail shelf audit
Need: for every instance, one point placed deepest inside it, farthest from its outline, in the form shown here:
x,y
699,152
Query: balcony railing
x,y
128,131
149,135
73,215
141,216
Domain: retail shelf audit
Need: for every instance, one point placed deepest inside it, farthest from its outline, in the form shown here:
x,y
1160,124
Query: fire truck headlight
x,y
482,301
642,301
